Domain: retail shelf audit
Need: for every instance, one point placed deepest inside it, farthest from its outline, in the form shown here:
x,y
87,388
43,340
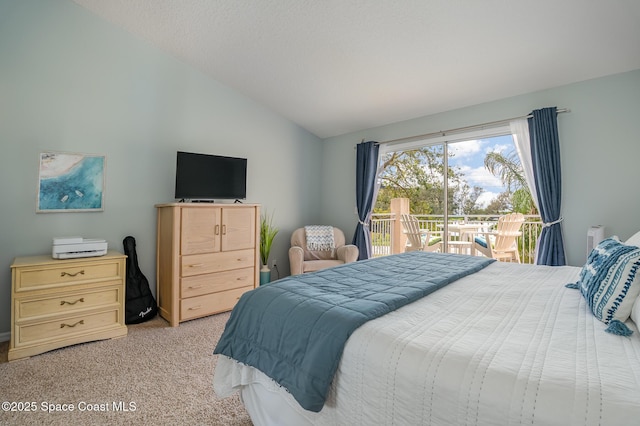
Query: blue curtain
x,y
545,155
366,170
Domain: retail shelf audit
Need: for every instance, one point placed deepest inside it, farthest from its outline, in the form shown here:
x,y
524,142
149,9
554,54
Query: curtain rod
x,y
461,129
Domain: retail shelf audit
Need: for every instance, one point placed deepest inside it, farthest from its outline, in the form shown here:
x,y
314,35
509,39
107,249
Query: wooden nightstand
x,y
57,303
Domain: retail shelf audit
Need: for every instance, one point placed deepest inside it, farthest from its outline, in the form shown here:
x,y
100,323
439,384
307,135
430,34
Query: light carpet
x,y
161,375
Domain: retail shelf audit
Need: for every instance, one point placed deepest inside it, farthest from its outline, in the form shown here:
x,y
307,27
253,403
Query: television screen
x,y
208,177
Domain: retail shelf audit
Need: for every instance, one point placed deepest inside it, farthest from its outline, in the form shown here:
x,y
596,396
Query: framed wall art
x,y
69,182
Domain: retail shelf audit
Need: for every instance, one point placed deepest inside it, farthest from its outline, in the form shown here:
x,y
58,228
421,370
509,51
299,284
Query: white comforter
x,y
508,345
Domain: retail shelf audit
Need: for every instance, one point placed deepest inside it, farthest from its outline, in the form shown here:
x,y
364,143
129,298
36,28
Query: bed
x,y
507,344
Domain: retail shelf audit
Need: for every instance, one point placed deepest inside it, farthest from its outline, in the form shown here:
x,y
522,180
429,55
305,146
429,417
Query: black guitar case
x,y
140,306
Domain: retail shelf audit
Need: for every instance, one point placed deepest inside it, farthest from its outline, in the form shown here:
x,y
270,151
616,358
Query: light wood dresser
x,y
208,255
57,303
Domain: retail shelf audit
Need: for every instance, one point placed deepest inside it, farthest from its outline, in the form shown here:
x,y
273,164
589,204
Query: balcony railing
x,y
382,234
383,229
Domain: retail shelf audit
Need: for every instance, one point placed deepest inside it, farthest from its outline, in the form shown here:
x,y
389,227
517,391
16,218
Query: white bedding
x,y
508,345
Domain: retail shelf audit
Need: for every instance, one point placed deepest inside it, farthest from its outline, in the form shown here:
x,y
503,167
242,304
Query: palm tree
x,y
508,169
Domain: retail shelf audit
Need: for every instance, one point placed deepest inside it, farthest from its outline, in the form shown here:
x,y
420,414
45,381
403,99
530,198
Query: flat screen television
x,y
209,177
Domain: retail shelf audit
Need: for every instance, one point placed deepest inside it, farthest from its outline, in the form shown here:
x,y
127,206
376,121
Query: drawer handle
x,y
62,302
194,308
194,287
241,279
195,265
241,259
63,325
81,272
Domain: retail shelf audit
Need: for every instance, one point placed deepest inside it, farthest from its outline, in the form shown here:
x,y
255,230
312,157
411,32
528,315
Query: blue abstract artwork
x,y
71,182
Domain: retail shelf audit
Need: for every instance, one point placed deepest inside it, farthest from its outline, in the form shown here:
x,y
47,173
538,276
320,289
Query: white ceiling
x,y
337,66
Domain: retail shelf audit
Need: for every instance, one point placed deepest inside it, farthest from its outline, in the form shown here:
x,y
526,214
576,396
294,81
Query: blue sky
x,y
469,160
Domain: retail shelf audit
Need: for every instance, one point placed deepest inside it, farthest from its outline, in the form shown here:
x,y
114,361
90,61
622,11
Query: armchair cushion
x,y
432,240
316,265
347,253
481,240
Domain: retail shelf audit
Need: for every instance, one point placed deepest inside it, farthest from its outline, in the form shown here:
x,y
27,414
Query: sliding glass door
x,y
457,188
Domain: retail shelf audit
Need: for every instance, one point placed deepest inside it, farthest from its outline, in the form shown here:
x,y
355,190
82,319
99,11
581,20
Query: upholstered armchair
x,y
303,259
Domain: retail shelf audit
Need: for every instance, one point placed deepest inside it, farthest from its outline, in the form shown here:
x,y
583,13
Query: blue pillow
x,y
610,283
481,241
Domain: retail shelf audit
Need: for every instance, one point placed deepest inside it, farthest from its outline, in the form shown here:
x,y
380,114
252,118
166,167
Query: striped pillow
x,y
610,282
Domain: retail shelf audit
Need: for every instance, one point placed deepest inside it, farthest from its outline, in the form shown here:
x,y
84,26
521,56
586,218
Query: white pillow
x,y
634,240
635,312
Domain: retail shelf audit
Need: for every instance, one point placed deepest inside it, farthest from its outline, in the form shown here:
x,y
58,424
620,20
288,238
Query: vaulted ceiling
x,y
337,66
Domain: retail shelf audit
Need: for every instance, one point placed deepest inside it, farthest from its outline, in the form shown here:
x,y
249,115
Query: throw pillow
x,y
610,283
634,240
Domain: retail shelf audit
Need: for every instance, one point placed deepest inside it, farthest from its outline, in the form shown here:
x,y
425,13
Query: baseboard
x,y
5,337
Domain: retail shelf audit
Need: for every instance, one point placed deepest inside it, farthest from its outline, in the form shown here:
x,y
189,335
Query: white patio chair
x,y
419,239
501,244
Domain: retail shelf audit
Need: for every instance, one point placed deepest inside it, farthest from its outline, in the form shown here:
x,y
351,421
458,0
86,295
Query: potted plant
x,y
267,234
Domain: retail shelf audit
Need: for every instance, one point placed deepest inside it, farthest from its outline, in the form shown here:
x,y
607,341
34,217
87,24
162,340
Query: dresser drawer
x,y
213,262
64,303
208,304
67,327
198,285
70,273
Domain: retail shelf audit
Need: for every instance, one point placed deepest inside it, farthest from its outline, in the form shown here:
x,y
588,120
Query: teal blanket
x,y
294,330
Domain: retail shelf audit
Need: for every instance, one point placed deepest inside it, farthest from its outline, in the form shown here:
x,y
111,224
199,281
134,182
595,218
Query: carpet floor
x,y
156,375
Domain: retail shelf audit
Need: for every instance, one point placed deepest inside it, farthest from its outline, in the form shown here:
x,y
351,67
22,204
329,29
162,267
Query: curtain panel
x,y
520,132
366,174
545,156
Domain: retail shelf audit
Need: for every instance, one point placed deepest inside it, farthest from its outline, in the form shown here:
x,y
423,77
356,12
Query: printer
x,y
73,247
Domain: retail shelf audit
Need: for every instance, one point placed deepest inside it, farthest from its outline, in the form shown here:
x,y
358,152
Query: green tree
x,y
466,198
418,176
499,205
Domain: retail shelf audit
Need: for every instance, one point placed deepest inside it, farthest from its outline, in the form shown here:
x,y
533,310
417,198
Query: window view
x,y
485,183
